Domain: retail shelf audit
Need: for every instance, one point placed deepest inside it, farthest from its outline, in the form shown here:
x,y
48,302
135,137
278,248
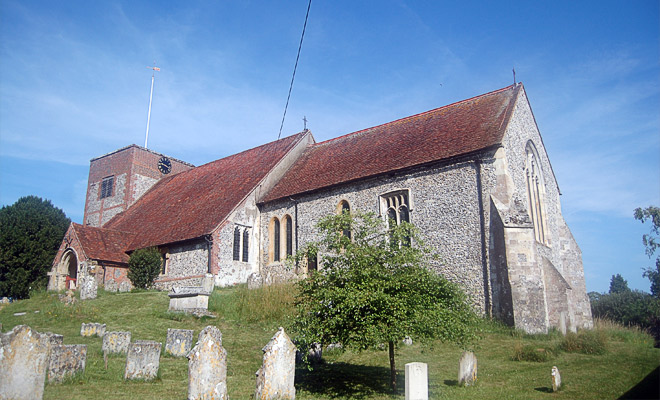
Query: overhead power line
x,y
309,5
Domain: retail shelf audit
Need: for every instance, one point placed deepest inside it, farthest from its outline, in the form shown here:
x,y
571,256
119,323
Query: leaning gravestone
x,y
92,329
88,287
276,376
23,363
142,360
556,379
207,367
116,342
417,381
467,369
66,360
179,342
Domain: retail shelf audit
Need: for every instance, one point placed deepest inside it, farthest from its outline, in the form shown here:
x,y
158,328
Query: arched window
x,y
288,234
312,261
246,245
344,207
397,209
535,193
237,243
275,240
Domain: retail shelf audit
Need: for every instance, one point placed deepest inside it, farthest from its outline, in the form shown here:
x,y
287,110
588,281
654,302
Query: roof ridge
x,y
513,86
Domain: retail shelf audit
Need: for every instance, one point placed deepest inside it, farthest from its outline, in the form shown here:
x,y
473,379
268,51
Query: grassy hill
x,y
248,319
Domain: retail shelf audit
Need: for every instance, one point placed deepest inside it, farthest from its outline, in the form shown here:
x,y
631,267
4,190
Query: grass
x,y
248,319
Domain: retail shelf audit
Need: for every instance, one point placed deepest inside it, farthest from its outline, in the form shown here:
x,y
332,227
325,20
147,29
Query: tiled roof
x,y
460,128
193,203
103,244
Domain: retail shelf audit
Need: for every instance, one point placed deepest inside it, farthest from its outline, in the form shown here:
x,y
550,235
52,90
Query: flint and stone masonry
x,y
207,367
23,363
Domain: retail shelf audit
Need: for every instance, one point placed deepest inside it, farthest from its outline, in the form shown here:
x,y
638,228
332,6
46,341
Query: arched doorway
x,y
70,267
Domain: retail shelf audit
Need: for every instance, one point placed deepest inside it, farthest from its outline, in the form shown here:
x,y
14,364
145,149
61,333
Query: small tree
x,y
651,242
144,265
31,231
618,284
373,289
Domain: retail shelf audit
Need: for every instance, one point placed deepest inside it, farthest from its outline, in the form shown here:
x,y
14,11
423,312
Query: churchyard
x,y
248,320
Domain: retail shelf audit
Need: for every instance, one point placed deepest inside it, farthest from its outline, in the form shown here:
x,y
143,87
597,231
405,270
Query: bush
x,y
532,353
144,266
585,342
627,308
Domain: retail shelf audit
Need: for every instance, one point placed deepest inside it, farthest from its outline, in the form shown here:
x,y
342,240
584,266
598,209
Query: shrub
x,y
144,267
585,342
627,308
532,353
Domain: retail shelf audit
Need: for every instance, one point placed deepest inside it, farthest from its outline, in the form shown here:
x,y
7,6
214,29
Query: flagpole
x,y
151,95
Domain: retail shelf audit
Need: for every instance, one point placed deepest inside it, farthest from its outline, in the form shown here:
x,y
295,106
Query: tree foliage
x,y
31,231
144,266
631,307
618,284
651,241
373,289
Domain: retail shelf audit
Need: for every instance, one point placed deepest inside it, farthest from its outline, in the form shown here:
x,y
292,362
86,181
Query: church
x,y
473,176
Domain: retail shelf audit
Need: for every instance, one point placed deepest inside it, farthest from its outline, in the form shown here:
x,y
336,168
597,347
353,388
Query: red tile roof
x,y
193,203
460,128
103,244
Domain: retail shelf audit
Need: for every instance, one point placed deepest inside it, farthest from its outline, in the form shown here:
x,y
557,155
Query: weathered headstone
x,y
23,363
254,281
556,379
111,285
467,369
142,360
66,360
68,298
208,283
207,367
125,286
276,376
179,342
408,341
88,287
417,381
116,342
92,329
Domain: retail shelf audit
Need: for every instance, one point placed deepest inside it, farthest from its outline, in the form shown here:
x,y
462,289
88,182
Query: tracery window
x,y
241,243
106,186
396,206
535,193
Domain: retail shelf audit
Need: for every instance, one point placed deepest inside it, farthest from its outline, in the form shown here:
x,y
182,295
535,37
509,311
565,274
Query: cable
x,y
294,69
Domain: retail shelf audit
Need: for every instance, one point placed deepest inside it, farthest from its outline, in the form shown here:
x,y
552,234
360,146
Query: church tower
x,y
119,179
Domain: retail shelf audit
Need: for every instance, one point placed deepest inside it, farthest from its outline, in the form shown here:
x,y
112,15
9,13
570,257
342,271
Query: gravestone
x,y
66,360
125,286
54,339
254,281
23,363
417,381
189,299
556,379
116,342
408,341
142,360
208,283
207,367
276,376
111,285
179,342
88,287
467,369
92,329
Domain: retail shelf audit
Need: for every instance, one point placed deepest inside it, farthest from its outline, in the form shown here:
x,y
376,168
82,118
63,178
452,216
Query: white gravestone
x,y
417,381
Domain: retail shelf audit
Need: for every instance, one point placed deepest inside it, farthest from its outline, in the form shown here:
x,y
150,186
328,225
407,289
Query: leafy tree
x,y
632,307
618,284
651,242
31,231
373,289
144,265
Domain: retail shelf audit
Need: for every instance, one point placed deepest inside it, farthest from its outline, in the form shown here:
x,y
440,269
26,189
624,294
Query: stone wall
x,y
187,260
443,205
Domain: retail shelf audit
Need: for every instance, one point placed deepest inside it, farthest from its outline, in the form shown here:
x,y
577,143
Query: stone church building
x,y
473,176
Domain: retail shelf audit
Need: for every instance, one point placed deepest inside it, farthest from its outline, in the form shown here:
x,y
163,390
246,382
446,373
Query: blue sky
x,y
74,85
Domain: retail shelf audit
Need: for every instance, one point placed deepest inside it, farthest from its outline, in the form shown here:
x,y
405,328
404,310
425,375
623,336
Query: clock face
x,y
164,165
